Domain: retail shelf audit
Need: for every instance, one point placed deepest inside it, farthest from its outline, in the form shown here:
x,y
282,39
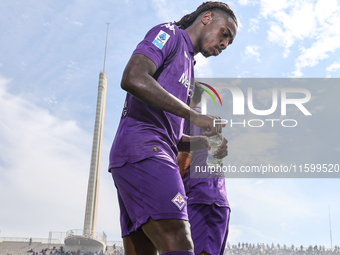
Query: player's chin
x,y
206,54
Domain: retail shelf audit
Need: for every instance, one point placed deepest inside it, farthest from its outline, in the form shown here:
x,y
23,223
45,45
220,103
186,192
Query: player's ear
x,y
206,18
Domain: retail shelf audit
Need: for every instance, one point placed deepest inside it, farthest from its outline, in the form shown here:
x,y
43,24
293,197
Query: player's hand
x,y
222,150
198,143
206,122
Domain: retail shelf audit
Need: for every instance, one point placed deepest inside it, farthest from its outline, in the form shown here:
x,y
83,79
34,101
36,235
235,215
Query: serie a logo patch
x,y
179,201
161,39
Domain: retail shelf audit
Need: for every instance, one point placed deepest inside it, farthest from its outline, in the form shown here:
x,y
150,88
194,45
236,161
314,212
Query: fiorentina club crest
x,y
179,201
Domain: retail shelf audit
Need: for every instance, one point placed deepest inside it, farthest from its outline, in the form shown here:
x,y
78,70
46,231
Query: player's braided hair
x,y
188,19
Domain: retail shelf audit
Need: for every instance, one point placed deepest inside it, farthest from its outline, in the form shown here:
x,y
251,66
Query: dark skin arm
x,y
138,81
183,161
193,143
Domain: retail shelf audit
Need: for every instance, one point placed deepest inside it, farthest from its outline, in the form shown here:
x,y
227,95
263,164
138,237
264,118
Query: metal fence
x,y
86,233
27,239
117,243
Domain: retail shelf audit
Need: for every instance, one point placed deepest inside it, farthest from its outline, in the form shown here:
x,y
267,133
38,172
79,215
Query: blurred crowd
x,y
54,251
262,249
239,249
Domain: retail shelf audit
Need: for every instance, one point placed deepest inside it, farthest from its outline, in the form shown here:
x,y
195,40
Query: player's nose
x,y
224,44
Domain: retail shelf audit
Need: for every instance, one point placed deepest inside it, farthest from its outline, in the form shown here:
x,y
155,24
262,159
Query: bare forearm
x,y
184,144
192,143
146,89
183,161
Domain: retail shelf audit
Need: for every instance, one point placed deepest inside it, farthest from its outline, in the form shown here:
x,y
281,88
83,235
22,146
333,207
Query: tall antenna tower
x,y
330,226
93,185
107,34
87,238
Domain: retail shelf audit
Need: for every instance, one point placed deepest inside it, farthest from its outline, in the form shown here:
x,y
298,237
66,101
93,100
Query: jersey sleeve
x,y
159,43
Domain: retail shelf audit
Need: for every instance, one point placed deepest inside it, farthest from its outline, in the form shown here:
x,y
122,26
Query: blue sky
x,y
51,55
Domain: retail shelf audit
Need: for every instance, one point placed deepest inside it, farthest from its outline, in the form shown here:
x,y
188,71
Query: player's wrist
x,y
194,117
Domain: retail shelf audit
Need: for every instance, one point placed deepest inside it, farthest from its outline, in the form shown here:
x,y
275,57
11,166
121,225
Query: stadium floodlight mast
x,y
330,226
93,185
87,238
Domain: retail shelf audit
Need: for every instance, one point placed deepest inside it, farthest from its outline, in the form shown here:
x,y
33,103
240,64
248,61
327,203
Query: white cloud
x,y
317,108
297,74
78,23
325,9
202,66
43,165
268,6
51,99
1,65
235,232
333,67
287,228
243,229
252,50
253,25
249,200
311,57
239,23
163,12
296,25
246,2
251,148
299,20
265,96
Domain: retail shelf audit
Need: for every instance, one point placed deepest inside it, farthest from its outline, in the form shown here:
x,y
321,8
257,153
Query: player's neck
x,y
193,32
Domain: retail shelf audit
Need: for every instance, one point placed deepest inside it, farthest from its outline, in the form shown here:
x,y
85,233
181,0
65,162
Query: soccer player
x,y
143,164
208,207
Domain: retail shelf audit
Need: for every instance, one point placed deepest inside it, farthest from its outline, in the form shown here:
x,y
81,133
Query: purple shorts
x,y
209,227
152,188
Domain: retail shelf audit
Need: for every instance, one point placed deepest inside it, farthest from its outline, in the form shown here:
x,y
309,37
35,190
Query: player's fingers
x,y
222,155
224,142
210,132
221,150
206,144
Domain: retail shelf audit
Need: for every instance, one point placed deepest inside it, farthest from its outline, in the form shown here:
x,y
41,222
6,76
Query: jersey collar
x,y
188,41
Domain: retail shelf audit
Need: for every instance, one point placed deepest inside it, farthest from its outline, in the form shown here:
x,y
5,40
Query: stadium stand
x,y
22,248
11,247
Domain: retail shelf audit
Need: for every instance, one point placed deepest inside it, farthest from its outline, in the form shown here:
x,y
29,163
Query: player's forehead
x,y
225,22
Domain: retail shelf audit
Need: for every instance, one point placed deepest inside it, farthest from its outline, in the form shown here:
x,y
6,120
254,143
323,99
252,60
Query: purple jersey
x,y
146,131
202,190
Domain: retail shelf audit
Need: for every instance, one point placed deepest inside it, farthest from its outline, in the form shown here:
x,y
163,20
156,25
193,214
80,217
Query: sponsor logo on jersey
x,y
179,201
161,39
184,80
170,27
